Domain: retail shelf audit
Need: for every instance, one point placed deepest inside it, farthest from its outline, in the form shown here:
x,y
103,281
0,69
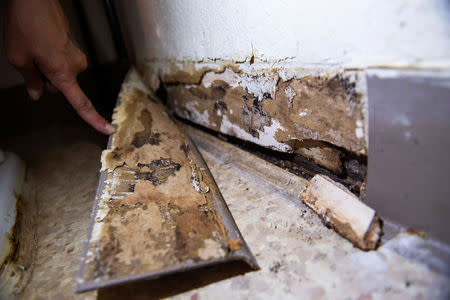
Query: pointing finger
x,y
84,107
51,88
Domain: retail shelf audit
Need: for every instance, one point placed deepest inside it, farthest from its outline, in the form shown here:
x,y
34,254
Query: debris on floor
x,y
343,211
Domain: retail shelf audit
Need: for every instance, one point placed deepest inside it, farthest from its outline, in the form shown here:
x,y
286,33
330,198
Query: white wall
x,y
351,33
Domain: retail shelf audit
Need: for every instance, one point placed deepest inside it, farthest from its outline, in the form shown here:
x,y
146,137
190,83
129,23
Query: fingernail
x,y
110,129
34,94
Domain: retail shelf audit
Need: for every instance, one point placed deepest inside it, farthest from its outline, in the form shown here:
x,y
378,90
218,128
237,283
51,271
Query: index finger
x,y
84,107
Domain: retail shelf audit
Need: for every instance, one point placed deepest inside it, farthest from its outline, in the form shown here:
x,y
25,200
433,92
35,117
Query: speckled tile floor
x,y
63,154
66,173
299,256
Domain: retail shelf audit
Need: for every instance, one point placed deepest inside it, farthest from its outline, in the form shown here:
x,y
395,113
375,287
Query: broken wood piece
x,y
343,211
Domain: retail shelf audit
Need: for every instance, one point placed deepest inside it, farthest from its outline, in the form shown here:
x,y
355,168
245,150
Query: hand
x,y
39,46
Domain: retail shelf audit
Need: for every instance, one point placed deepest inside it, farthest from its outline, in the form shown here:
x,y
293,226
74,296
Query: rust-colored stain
x,y
157,209
235,244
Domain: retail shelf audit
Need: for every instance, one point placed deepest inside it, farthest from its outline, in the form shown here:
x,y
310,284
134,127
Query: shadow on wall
x,y
139,24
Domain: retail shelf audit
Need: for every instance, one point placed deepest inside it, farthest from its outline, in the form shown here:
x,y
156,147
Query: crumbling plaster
x,y
279,49
320,114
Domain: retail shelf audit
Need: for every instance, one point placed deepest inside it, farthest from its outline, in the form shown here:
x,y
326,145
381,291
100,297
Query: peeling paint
x,y
359,131
201,118
211,249
290,93
266,137
303,113
228,76
260,86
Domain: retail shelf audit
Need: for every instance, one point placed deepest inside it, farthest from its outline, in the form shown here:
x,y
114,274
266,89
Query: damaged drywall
x,y
163,222
159,208
319,115
343,211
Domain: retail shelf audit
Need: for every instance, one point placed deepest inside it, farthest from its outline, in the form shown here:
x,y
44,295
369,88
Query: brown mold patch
x,y
234,244
323,108
324,156
107,253
175,230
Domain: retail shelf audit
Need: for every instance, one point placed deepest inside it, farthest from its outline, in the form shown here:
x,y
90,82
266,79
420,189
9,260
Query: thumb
x,y
33,81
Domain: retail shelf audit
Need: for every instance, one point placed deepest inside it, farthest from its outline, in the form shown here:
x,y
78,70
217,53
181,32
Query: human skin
x,y
38,44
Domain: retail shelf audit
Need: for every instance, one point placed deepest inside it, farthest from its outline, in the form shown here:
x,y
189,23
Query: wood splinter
x,y
343,211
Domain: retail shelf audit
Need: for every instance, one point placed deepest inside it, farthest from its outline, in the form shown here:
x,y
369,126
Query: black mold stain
x,y
151,98
142,139
254,117
117,153
253,132
219,90
161,93
146,136
185,148
258,109
123,208
104,263
347,85
220,105
276,267
355,169
267,95
197,92
160,170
